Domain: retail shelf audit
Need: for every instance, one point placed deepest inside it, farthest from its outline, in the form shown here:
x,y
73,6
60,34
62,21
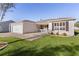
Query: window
x,y
56,28
60,23
41,26
57,24
62,28
63,23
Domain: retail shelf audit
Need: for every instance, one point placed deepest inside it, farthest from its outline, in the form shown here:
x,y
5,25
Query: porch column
x,y
50,26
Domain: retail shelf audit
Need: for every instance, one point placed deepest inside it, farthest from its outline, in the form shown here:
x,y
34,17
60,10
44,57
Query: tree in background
x,y
4,7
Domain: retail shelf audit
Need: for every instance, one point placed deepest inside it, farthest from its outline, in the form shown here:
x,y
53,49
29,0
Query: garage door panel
x,y
17,28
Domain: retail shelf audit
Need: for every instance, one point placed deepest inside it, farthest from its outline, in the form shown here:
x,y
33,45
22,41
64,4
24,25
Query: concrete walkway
x,y
29,36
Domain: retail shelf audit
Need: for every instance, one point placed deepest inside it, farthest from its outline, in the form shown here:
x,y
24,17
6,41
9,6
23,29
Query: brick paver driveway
x,y
29,36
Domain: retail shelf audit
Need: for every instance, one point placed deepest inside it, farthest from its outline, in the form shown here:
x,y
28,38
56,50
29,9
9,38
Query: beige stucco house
x,y
59,25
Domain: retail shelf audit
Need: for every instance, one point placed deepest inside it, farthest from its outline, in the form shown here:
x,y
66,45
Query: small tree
x,y
4,7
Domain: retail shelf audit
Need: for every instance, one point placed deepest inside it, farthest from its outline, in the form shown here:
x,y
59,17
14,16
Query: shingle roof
x,y
57,19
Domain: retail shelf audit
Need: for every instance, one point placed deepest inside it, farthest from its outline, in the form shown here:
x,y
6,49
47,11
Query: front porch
x,y
43,28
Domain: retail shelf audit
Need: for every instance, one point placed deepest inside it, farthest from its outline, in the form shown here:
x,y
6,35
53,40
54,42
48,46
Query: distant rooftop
x,y
7,21
24,21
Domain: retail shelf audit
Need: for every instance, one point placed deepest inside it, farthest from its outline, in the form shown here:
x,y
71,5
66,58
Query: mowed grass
x,y
45,46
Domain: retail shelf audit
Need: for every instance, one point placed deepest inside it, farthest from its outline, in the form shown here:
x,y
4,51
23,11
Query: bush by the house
x,y
57,33
64,34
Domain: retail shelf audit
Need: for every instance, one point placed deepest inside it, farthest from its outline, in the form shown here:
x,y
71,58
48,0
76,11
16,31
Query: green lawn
x,y
45,46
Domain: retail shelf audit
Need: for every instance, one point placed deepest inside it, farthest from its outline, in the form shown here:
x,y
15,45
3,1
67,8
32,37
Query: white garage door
x,y
17,28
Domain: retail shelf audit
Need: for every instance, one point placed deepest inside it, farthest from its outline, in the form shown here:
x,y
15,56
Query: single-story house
x,y
57,26
24,26
4,26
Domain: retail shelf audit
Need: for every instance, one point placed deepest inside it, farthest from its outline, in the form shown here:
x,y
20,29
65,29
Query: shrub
x,y
76,32
65,34
52,33
57,33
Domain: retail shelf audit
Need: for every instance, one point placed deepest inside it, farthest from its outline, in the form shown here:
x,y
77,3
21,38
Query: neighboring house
x,y
24,26
60,26
4,26
76,28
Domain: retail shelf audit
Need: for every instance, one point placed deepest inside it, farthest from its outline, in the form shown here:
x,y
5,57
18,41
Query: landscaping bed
x,y
3,45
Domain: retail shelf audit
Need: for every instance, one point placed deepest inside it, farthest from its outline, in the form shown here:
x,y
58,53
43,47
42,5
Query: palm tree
x,y
4,8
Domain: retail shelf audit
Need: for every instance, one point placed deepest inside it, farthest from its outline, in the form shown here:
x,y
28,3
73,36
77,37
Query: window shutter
x,y
67,26
52,26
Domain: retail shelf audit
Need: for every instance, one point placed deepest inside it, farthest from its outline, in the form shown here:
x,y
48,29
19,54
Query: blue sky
x,y
37,11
